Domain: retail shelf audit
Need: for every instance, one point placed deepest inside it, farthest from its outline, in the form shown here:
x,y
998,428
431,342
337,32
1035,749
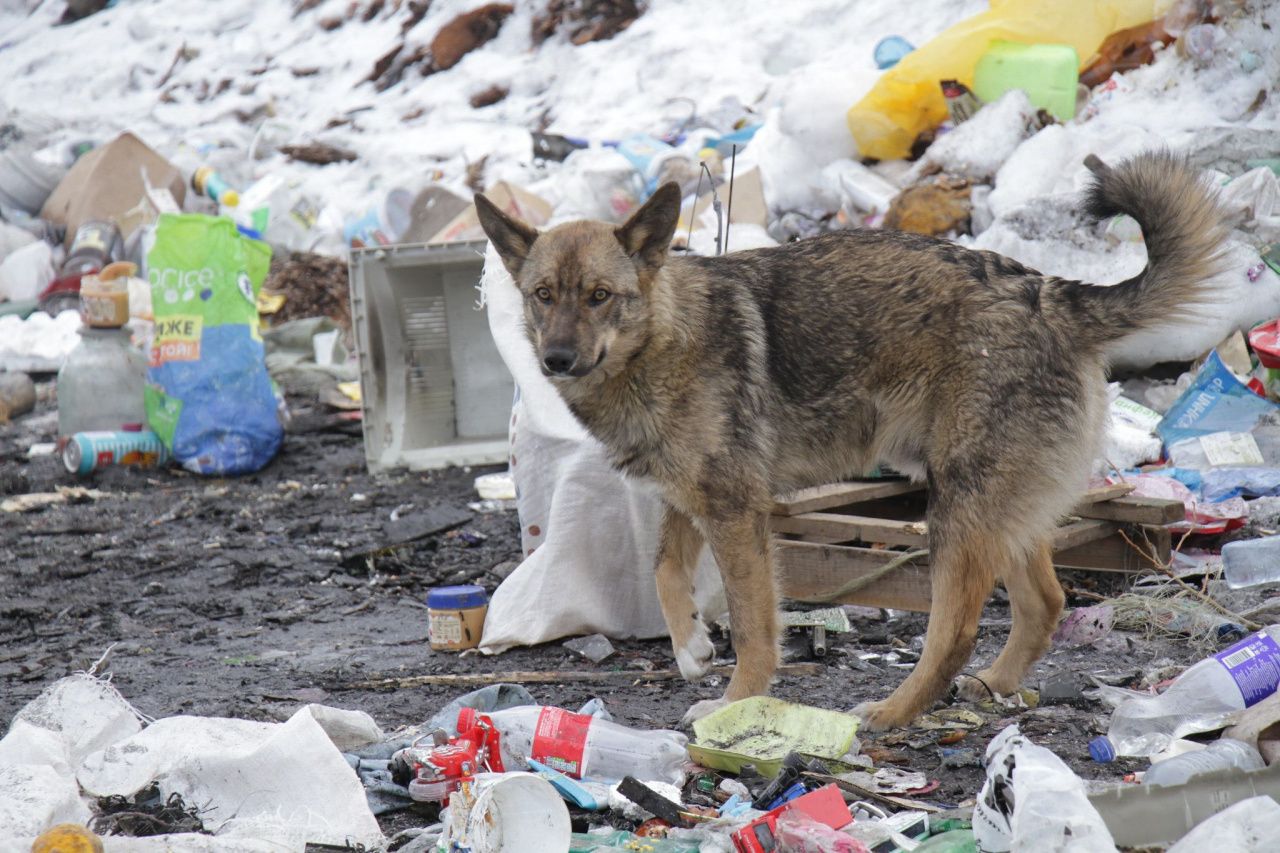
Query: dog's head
x,y
586,285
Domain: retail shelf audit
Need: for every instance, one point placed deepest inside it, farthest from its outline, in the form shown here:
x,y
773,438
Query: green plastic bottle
x,y
955,841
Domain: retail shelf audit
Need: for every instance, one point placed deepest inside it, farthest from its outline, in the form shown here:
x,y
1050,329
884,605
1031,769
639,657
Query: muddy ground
x,y
249,597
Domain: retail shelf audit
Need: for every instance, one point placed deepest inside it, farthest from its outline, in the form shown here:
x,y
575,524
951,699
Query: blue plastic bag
x,y
208,394
1216,402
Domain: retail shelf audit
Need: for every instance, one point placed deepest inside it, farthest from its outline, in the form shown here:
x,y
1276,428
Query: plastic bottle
x,y
281,212
955,841
890,50
382,224
208,182
579,745
101,384
1199,699
1219,755
1250,562
91,248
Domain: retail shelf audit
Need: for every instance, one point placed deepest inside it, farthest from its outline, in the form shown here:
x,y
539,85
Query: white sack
x,y
26,272
589,535
280,782
1249,826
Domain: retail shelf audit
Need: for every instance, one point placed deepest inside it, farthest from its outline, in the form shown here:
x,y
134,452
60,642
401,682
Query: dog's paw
x,y
702,709
982,687
694,657
879,716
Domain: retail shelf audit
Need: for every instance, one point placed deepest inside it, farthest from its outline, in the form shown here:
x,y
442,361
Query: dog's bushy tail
x,y
1184,230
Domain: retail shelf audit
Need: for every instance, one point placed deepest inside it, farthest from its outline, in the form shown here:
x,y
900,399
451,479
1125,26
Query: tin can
x,y
92,247
88,451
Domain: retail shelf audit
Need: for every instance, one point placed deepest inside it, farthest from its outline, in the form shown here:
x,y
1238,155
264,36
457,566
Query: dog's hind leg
x,y
964,564
741,546
679,544
1036,598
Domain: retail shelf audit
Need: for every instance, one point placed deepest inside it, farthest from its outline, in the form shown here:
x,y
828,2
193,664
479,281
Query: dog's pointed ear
x,y
512,238
647,234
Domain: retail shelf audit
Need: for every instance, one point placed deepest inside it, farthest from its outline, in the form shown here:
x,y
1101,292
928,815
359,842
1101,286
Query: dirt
x,y
249,597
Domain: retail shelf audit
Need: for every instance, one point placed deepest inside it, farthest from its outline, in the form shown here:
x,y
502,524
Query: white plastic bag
x,y
1032,801
589,535
26,272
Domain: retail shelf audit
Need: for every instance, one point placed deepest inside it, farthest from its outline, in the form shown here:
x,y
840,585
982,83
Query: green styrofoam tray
x,y
762,730
1048,73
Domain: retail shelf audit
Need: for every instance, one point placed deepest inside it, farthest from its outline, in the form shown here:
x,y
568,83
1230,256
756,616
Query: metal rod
x,y
728,217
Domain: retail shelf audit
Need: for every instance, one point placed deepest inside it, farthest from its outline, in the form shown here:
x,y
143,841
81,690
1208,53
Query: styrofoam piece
x,y
435,390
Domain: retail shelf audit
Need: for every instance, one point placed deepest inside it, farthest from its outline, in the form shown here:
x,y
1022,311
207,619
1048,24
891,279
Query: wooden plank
x,y
1105,493
1135,509
809,571
591,676
1114,554
830,527
1081,532
840,494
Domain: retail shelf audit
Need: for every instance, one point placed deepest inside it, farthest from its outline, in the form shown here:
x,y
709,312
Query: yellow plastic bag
x,y
907,99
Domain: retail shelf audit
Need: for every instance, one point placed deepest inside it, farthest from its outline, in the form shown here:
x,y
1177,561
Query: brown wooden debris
x,y
489,97
319,153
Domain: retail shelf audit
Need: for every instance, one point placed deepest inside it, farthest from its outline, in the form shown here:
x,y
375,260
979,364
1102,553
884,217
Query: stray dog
x,y
730,379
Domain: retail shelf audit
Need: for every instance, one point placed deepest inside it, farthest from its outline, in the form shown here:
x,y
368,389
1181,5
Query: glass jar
x,y
101,384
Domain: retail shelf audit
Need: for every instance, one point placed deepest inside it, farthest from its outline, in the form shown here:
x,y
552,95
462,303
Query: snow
x,y
228,83
703,64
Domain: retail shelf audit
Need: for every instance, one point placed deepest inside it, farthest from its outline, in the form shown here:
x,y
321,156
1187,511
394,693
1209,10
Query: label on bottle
x,y
560,740
1254,663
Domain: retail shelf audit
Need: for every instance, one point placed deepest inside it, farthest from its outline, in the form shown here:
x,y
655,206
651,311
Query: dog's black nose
x,y
559,361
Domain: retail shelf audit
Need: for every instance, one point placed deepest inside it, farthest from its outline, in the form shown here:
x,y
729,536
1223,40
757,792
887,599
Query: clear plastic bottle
x,y
1219,755
1199,699
101,384
579,745
1249,562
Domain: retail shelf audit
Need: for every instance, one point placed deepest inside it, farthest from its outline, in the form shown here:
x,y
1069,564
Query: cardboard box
x,y
108,183
510,199
432,209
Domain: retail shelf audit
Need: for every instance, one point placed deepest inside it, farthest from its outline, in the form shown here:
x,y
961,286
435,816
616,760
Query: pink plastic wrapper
x,y
799,833
1085,625
1202,516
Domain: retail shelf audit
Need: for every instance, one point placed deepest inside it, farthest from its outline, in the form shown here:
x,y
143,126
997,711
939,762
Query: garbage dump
x,y
304,550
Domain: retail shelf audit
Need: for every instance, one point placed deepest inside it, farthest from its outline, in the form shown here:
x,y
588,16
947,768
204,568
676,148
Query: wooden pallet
x,y
822,537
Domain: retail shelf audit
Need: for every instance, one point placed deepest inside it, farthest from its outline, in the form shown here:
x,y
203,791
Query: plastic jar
x,y
456,617
104,297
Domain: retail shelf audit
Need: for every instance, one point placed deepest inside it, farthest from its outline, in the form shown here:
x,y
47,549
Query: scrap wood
x,y
318,153
478,679
39,500
874,575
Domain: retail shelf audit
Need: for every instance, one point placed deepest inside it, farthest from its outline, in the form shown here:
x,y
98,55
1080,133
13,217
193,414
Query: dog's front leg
x,y
740,543
679,544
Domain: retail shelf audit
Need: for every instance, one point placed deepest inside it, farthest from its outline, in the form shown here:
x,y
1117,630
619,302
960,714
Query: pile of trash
x,y
494,772
137,242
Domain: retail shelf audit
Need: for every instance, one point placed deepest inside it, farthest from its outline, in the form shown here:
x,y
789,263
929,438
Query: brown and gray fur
x,y
728,380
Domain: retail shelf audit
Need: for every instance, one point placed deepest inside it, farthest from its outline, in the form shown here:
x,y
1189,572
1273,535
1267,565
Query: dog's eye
x,y
599,295
543,293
